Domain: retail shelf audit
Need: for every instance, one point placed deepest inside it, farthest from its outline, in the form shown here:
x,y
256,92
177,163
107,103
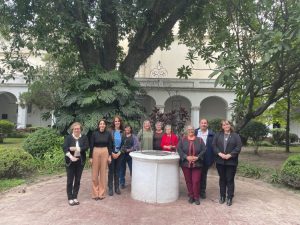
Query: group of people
x,y
198,150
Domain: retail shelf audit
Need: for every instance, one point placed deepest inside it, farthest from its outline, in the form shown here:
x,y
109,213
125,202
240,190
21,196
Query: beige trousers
x,y
99,172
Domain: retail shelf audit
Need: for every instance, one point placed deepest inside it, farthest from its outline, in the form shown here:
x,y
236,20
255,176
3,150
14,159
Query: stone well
x,y
155,176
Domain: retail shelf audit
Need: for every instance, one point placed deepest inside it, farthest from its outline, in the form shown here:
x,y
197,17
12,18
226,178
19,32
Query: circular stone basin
x,y
155,176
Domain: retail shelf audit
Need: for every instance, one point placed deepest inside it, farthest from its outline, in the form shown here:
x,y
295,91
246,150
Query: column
x,y
195,111
22,116
161,108
229,112
53,118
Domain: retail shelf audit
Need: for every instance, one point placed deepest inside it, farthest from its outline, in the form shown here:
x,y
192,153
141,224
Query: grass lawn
x,y
6,184
12,143
268,157
266,165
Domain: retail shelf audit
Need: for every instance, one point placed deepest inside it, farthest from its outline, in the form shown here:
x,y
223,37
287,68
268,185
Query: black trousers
x,y
203,181
74,172
114,171
226,179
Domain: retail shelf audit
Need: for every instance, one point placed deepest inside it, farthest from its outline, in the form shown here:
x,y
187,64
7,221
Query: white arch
x,y
148,102
9,107
179,101
213,107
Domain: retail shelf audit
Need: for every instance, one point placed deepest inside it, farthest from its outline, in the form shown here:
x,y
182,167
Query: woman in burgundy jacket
x,y
191,150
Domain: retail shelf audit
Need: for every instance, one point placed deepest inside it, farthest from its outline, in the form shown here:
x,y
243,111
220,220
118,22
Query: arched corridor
x,y
213,107
9,107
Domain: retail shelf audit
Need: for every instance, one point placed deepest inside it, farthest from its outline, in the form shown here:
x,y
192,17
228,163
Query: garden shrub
x,y
290,171
275,177
54,160
15,162
215,125
18,134
293,138
278,135
42,141
248,170
265,144
255,130
6,127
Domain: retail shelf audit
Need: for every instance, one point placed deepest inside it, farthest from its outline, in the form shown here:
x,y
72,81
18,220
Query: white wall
x,y
34,117
295,128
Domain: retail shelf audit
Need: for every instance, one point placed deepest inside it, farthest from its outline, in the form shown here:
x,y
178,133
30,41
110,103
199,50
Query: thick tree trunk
x,y
145,43
109,52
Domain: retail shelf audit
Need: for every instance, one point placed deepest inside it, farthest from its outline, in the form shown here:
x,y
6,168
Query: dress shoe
x,y
110,192
229,202
76,202
203,195
191,200
71,202
222,200
197,202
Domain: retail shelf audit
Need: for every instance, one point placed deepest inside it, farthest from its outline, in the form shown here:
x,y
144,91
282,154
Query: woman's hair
x,y
147,121
188,127
157,123
101,120
127,125
75,124
168,126
113,122
226,121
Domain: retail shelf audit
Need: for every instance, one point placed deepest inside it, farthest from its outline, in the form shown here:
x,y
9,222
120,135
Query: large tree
x,y
256,46
92,30
83,39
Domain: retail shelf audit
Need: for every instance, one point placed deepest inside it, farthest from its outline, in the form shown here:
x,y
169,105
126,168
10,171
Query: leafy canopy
x,y
256,47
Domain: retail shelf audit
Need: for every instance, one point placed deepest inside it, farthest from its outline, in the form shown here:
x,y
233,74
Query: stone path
x,y
255,203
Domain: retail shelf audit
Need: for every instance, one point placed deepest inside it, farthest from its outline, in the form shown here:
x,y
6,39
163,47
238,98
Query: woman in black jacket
x,y
227,145
75,146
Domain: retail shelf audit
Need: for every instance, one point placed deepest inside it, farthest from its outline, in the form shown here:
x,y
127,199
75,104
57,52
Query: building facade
x,y
198,94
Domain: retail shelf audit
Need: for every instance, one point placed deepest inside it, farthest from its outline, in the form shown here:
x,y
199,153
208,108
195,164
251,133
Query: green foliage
x,y
176,118
184,72
293,138
52,161
278,135
290,171
10,183
275,177
248,170
15,163
95,96
277,113
6,126
18,134
256,56
265,144
257,131
215,125
42,141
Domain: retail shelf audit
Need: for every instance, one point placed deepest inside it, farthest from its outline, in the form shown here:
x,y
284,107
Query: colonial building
x,y
157,76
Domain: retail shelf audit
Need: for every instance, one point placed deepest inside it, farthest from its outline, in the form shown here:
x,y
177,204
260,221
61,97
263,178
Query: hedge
x,y
290,171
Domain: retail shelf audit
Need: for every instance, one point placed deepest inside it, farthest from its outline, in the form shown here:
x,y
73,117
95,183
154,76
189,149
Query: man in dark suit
x,y
207,136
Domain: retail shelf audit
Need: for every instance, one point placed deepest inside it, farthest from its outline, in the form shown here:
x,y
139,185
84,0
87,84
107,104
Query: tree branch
x,y
142,47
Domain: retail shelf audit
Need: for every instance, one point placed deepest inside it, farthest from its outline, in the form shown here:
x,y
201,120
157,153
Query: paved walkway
x,y
45,203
